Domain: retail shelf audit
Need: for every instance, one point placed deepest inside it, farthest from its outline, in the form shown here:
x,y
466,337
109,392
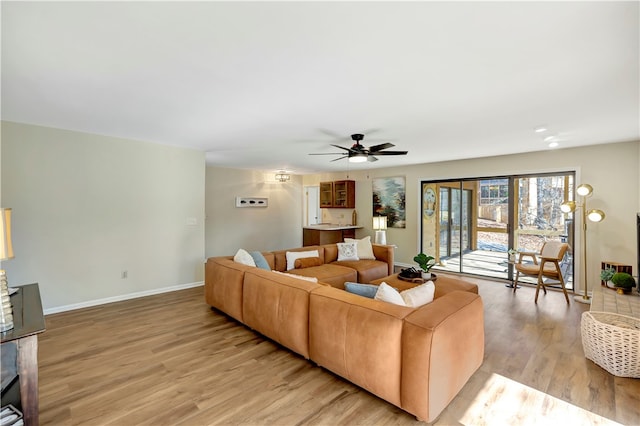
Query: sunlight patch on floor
x,y
503,401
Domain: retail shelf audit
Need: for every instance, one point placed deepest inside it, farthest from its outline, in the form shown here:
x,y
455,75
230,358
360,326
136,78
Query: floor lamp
x,y
585,190
380,224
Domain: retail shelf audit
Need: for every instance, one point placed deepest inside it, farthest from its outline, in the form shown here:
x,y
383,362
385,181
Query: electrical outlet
x,y
124,275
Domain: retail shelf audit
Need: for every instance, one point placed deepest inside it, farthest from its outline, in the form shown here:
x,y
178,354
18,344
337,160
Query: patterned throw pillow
x,y
348,251
365,249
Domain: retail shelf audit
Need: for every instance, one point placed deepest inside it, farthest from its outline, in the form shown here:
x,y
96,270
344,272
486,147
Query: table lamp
x,y
380,224
6,252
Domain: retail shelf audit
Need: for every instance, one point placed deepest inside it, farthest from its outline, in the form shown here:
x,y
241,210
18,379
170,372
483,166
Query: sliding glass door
x,y
470,224
455,217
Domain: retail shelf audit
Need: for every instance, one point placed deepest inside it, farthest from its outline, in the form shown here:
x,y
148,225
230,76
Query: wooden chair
x,y
546,266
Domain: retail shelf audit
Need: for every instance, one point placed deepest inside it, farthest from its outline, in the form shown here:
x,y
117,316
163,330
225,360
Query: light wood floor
x,y
170,360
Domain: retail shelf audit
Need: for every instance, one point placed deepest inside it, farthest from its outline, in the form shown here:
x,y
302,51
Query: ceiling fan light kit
x,y
358,158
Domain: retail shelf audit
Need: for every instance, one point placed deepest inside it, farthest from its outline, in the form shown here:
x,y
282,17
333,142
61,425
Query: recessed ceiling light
x,y
540,129
551,138
553,144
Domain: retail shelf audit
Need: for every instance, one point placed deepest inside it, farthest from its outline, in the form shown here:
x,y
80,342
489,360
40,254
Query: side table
x,y
28,322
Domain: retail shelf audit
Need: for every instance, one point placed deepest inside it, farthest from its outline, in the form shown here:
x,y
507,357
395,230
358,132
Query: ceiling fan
x,y
359,153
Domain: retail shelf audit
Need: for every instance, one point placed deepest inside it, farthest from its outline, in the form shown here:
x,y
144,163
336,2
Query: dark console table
x,y
28,322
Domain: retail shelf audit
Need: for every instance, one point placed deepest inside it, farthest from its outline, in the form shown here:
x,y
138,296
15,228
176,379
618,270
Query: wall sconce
x,y
594,215
380,224
283,176
6,252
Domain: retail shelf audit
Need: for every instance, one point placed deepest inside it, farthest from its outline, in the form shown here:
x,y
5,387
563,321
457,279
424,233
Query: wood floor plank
x,y
126,363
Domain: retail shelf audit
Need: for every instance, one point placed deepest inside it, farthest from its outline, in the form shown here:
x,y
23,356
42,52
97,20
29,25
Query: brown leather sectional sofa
x,y
415,358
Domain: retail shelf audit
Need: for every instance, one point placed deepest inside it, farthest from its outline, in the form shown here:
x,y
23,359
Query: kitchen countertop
x,y
331,227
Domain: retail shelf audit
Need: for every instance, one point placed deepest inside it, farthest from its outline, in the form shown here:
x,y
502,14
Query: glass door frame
x,y
512,227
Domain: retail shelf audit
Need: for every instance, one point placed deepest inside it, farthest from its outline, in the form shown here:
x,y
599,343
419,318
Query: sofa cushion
x,y
307,262
331,274
293,255
277,305
365,250
243,256
347,251
368,270
300,277
366,290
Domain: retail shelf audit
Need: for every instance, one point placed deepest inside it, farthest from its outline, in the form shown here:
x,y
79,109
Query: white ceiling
x,y
261,85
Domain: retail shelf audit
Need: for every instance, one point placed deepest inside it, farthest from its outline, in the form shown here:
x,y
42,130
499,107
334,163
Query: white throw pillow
x,y
420,295
300,277
243,256
365,249
348,251
293,255
386,293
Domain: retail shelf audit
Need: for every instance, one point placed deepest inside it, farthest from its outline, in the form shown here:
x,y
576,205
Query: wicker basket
x,y
613,342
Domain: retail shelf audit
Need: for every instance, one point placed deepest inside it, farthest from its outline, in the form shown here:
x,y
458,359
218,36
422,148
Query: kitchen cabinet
x,y
315,235
338,194
326,194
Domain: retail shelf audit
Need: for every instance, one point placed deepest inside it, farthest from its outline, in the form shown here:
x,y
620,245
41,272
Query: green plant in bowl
x,y
425,262
623,282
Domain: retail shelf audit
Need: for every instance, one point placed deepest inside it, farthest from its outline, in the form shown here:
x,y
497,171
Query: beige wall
x,y
228,228
612,170
87,207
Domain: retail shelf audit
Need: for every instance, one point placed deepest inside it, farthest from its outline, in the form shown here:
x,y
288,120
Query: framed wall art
x,y
389,200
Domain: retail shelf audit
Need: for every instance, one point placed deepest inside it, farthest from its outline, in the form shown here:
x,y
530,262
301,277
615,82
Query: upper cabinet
x,y
338,194
326,194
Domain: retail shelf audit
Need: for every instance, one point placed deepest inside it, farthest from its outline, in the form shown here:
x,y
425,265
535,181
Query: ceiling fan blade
x,y
328,153
334,135
389,153
380,147
371,158
339,158
341,147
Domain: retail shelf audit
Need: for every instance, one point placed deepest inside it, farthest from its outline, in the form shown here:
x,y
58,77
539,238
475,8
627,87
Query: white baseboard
x,y
120,298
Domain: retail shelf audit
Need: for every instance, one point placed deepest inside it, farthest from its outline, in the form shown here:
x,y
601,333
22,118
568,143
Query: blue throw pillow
x,y
261,262
366,290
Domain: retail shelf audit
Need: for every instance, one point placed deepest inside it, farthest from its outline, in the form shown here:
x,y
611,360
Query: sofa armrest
x,y
384,253
442,346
